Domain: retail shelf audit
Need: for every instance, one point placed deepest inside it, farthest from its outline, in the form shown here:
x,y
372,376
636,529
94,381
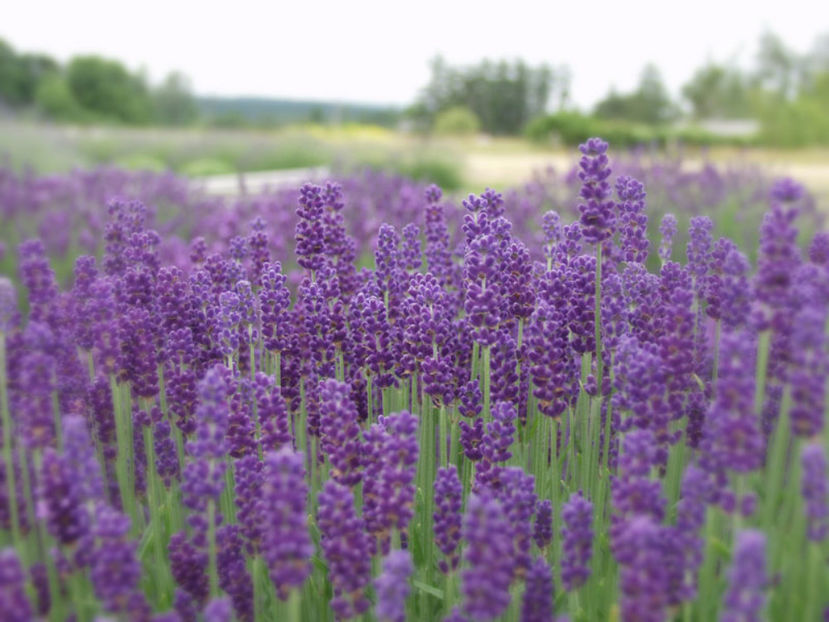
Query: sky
x,y
378,51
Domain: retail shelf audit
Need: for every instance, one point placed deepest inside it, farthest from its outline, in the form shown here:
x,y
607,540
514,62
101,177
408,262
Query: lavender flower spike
x,y
597,218
346,548
13,601
577,536
744,599
392,587
815,490
488,555
286,544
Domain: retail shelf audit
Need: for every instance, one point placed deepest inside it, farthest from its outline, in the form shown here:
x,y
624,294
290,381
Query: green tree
x,y
54,99
719,91
12,87
649,103
106,89
458,120
34,68
503,95
173,101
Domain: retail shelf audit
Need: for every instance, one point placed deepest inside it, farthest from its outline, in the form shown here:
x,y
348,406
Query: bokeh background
x,y
453,93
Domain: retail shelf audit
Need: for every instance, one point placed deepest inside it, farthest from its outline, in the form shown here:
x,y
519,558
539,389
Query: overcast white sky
x,y
378,51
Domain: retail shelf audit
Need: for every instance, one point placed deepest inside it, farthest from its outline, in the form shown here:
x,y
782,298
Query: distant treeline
x,y
240,111
91,89
785,94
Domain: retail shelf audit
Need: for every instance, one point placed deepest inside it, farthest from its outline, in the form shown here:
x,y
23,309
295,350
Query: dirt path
x,y
500,170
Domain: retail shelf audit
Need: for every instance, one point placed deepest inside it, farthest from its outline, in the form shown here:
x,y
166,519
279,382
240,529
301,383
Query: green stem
x,y
124,461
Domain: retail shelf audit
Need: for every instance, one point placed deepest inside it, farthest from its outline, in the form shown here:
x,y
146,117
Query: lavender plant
x,y
403,410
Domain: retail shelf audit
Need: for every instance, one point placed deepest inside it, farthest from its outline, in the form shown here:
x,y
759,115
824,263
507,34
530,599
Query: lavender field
x,y
600,395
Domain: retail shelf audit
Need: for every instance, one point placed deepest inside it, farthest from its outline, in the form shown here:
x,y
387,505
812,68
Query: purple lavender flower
x,y
61,499
438,257
643,580
310,235
410,250
807,375
273,414
517,497
633,221
115,570
488,557
274,300
226,331
483,300
286,544
390,461
699,247
164,445
13,600
550,359
8,304
38,278
188,564
538,596
815,490
543,525
577,541
667,228
597,217
744,599
732,438
137,359
495,446
203,478
80,459
339,432
233,575
447,516
778,256
392,587
346,549
218,610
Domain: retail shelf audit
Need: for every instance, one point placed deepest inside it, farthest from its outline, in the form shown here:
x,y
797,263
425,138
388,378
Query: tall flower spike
x,y
543,526
286,543
667,228
392,587
538,596
61,499
643,580
815,490
340,432
744,599
115,570
633,220
597,217
577,541
447,517
13,600
488,557
346,548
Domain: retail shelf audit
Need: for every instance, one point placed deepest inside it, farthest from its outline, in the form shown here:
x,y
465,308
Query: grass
x,y
456,162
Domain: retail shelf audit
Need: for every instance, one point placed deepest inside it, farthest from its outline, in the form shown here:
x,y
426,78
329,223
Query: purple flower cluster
x,y
204,425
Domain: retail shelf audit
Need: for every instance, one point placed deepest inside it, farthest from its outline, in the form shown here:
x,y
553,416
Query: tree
x,y
173,101
104,87
503,95
649,103
54,99
719,91
12,89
